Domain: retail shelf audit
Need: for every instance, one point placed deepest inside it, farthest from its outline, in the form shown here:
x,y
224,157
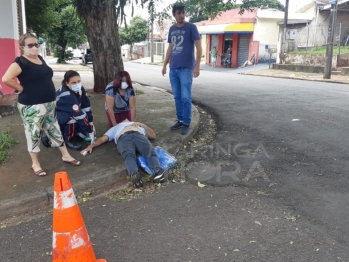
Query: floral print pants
x,y
38,118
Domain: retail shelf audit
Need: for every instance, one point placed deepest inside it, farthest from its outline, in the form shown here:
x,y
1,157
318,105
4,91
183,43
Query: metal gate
x,y
214,43
244,44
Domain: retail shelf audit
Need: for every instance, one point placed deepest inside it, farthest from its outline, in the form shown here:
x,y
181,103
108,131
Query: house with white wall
x,y
266,30
315,32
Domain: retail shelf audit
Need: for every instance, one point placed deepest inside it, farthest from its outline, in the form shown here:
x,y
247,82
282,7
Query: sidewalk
x,y
340,79
20,189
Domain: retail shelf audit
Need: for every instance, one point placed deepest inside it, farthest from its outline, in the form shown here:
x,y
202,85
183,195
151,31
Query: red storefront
x,y
230,29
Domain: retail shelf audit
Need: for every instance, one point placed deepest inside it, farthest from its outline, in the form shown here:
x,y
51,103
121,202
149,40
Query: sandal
x,y
40,172
73,163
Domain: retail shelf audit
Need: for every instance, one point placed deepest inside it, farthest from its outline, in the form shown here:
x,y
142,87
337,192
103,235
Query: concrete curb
x,y
298,78
71,68
29,202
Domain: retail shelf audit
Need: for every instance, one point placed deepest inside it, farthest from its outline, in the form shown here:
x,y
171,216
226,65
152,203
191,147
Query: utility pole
x,y
148,45
329,49
152,35
152,41
283,50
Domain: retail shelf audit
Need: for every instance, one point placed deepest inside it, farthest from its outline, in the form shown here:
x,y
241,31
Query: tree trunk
x,y
131,48
61,54
103,36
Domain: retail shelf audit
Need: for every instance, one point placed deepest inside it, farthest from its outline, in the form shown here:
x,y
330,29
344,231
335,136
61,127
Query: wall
x,y
204,46
342,17
313,60
300,68
343,60
8,38
323,18
266,31
309,9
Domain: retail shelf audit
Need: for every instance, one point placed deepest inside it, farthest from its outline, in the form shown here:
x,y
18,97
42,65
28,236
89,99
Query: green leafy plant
x,y
6,141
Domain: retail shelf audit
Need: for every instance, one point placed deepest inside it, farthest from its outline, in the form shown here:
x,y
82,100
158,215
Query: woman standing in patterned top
x,y
36,100
120,99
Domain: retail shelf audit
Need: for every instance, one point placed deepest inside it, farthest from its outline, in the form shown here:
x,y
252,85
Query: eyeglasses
x,y
32,45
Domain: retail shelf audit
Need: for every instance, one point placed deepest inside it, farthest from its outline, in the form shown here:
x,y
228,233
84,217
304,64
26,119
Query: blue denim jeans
x,y
181,81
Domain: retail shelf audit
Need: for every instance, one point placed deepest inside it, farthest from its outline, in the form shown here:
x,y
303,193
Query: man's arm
x,y
196,71
100,140
150,132
167,59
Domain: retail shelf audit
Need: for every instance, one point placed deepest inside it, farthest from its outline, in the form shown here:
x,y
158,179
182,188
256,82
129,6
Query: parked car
x,y
77,54
88,57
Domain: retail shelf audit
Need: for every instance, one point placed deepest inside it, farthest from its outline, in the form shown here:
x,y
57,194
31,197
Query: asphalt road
x,y
278,167
292,134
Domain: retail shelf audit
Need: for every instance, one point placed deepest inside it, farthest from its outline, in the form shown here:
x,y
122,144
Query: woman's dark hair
x,y
69,74
178,6
118,79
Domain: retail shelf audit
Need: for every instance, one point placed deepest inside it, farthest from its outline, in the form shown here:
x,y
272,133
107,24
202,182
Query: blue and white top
x,y
114,132
74,108
121,102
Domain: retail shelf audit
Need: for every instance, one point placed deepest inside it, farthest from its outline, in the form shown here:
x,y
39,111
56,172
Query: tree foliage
x,y
136,32
202,10
70,29
249,5
199,10
41,15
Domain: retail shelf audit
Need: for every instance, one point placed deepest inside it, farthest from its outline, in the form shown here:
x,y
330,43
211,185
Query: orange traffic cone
x,y
71,242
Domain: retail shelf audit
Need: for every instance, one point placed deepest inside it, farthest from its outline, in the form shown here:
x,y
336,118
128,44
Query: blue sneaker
x,y
178,125
185,129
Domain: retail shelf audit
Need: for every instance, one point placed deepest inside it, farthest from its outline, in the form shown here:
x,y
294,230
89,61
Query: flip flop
x,y
73,163
40,172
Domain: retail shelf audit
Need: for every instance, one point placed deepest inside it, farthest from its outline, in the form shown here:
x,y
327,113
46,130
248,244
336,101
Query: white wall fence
x,y
316,36
159,50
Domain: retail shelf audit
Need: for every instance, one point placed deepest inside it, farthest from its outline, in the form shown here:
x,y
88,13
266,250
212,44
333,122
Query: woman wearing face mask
x,y
120,99
74,111
36,100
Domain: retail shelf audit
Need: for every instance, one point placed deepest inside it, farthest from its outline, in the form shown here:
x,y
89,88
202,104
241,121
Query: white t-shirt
x,y
114,132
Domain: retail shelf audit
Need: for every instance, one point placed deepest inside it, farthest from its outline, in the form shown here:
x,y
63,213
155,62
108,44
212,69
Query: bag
x,y
166,160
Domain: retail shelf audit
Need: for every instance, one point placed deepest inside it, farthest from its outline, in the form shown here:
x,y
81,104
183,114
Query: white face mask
x,y
76,87
34,51
124,85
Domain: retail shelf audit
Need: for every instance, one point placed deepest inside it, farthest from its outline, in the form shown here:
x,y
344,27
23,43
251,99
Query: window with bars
x,y
19,17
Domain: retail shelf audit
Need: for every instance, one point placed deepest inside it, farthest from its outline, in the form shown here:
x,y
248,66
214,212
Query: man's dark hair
x,y
178,6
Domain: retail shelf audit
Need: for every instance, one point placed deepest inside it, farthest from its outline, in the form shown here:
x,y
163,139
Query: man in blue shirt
x,y
131,138
182,38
